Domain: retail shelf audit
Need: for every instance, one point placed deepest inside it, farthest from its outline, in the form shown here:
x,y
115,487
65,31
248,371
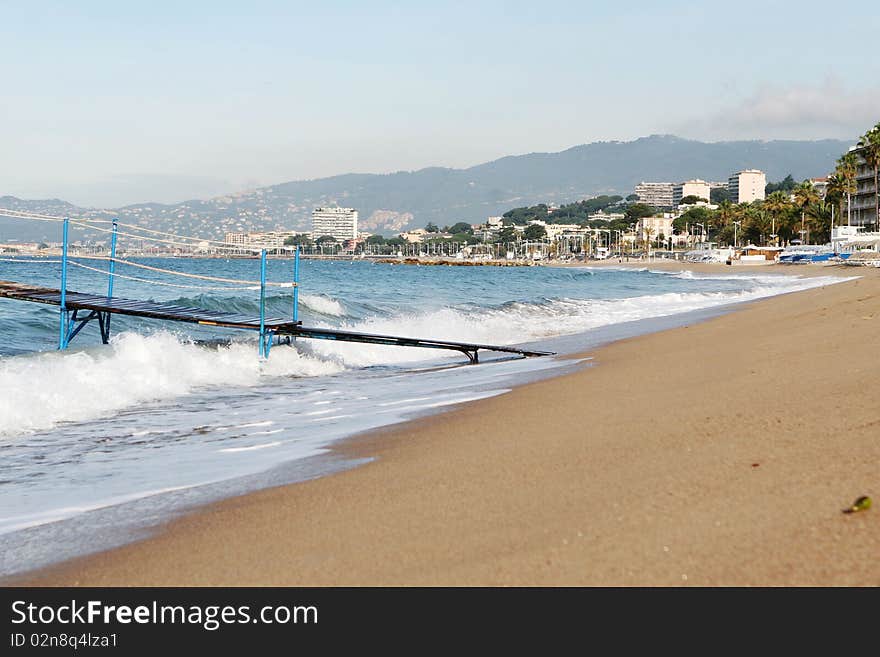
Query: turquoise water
x,y
153,422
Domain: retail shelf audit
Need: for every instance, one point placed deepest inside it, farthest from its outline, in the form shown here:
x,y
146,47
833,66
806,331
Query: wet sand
x,y
719,453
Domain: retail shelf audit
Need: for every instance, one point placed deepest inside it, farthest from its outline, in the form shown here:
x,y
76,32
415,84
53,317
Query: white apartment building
x,y
747,186
656,226
490,229
558,231
416,236
339,223
655,194
268,240
607,216
820,185
863,201
236,239
696,187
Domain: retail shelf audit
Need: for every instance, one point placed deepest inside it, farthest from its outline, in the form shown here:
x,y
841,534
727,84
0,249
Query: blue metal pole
x,y
296,285
62,329
263,303
112,259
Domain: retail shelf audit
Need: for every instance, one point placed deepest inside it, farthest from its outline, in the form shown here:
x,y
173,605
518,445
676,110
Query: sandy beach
x,y
719,453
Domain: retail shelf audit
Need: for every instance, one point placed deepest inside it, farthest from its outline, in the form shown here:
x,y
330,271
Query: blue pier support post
x,y
263,350
296,285
62,329
105,329
112,259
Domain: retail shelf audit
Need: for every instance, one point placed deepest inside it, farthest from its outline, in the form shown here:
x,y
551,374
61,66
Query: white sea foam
x,y
521,322
689,275
322,304
9,524
264,423
41,390
235,450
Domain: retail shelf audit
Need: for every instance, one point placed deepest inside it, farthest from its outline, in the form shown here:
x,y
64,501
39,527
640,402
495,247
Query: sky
x,y
110,103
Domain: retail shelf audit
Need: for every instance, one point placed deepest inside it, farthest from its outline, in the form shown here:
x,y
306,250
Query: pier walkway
x,y
88,307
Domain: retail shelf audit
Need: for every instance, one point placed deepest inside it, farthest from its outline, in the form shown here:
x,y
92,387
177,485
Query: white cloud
x,y
823,110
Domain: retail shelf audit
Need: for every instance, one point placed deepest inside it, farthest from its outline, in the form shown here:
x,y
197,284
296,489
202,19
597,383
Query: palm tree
x,y
647,235
870,145
835,192
779,206
822,220
805,196
845,171
753,223
725,213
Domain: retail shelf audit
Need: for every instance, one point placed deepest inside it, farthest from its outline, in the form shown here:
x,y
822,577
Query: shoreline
x,y
503,520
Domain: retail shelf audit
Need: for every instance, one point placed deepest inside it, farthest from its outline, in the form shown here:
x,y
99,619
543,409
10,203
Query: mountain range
x,y
390,203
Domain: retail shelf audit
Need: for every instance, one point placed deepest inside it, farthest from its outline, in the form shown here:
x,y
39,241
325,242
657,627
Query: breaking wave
x,y
41,390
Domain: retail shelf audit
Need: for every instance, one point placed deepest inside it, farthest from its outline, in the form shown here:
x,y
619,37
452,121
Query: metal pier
x,y
87,307
78,309
468,349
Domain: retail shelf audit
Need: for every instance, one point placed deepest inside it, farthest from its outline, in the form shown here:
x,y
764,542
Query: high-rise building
x,y
655,194
697,187
864,200
339,223
747,186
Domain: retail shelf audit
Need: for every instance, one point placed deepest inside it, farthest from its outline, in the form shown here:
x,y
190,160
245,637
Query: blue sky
x,y
104,103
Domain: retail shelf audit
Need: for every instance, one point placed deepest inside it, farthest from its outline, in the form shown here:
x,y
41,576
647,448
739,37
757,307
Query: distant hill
x,y
393,202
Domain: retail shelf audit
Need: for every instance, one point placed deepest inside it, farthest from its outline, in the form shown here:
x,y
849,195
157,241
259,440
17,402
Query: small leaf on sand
x,y
861,504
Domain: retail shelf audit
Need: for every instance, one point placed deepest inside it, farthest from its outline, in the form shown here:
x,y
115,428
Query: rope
x,y
160,232
185,275
144,280
21,214
164,241
23,260
86,223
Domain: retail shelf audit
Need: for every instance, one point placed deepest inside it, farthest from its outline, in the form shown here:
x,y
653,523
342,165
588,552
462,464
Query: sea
x,y
100,444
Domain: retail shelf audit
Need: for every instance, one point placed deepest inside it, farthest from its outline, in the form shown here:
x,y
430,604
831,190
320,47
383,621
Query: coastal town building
x,y
840,235
655,194
415,236
489,230
557,231
820,185
696,187
236,239
864,200
658,227
30,248
747,186
606,216
271,240
338,223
